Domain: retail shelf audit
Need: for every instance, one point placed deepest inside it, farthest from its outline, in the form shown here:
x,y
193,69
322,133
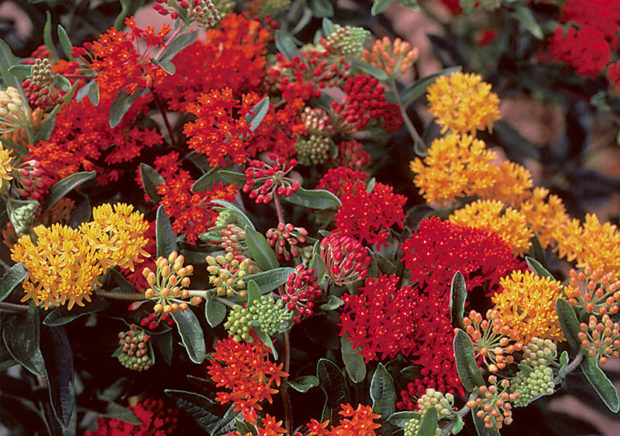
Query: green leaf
x,y
167,66
215,312
163,343
11,279
379,6
569,323
370,69
65,42
232,178
264,338
353,360
332,303
245,428
255,117
47,37
58,358
316,262
563,364
206,181
322,8
121,104
90,87
199,407
151,179
21,71
328,27
166,239
428,425
458,425
191,334
525,369
332,383
468,370
269,280
418,88
176,45
382,392
7,60
21,338
527,19
458,294
260,251
241,218
601,384
314,199
400,419
480,428
253,292
61,316
304,384
66,185
286,44
537,268
116,411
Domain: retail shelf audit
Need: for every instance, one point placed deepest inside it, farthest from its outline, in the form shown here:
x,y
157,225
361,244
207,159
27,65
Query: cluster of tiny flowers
x,y
351,154
134,350
346,260
203,12
358,421
264,180
600,338
156,420
539,352
232,239
346,41
316,121
394,57
40,88
314,150
593,291
301,290
335,178
493,404
13,110
285,240
228,274
6,169
168,284
268,314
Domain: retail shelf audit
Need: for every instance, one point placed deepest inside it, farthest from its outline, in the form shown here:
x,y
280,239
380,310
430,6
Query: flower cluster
x,y
156,420
272,179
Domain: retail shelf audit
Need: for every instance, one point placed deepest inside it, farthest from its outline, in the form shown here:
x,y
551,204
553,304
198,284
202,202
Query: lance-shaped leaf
x,y
66,185
569,323
314,199
58,358
151,179
191,334
304,384
332,303
353,360
215,312
255,117
428,425
400,419
206,181
333,383
379,6
264,338
199,407
260,250
468,370
601,384
65,42
382,392
121,104
12,279
166,239
458,294
286,44
370,69
537,268
21,338
91,89
267,281
176,45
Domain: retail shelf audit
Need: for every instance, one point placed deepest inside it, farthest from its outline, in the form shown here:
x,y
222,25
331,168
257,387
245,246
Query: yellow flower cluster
x,y
5,167
526,307
463,103
64,263
507,222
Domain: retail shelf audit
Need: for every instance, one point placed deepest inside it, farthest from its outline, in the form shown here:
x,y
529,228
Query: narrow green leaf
x,y
255,117
332,383
466,366
232,178
382,392
328,27
21,71
215,312
260,251
116,411
370,69
332,303
537,268
191,334
167,66
285,43
151,179
601,384
206,181
199,407
61,316
7,60
379,6
245,428
304,384
121,104
569,323
458,294
12,279
253,292
418,88
269,280
264,338
65,42
527,19
314,199
563,364
93,92
58,358
163,343
66,185
21,338
176,45
322,8
400,419
241,219
47,37
428,425
353,360
166,239
316,262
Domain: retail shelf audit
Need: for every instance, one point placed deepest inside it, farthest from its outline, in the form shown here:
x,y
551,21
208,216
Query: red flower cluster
x,y
191,213
157,420
346,260
300,292
335,178
264,180
352,154
368,216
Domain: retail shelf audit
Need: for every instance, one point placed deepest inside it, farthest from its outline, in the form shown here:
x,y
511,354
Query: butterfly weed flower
x,y
335,179
134,349
227,273
286,240
354,421
346,41
155,420
300,291
264,180
394,57
14,112
6,169
493,403
346,260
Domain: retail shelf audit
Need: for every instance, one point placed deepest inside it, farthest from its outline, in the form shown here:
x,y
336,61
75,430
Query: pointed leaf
x,y
166,239
61,316
199,407
191,334
269,280
58,358
260,251
121,104
257,114
151,179
285,43
176,45
527,19
215,312
468,370
12,279
536,267
7,60
563,363
304,384
370,69
264,338
400,419
314,199
569,323
21,338
47,37
382,392
379,6
122,413
353,360
332,303
232,178
601,384
458,294
66,185
322,8
428,424
65,42
253,293
206,181
333,383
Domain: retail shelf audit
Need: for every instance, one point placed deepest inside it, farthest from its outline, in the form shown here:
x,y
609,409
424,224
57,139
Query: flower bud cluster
x,y
413,426
539,352
301,290
346,260
23,217
13,110
271,316
432,398
314,150
31,180
531,384
393,57
269,179
285,240
135,350
346,41
493,404
168,284
490,340
232,240
352,154
316,121
600,338
203,12
593,291
227,274
40,88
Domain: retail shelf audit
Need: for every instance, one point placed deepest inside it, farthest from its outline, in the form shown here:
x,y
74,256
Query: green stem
x,y
12,307
403,112
119,296
286,400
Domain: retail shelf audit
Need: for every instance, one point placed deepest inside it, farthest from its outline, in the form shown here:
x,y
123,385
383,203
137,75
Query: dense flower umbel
x,y
335,178
463,103
286,239
5,168
169,283
14,112
527,307
202,12
62,266
347,41
134,350
359,421
494,403
155,418
264,180
301,290
532,384
245,370
39,88
269,315
393,57
227,274
368,216
346,260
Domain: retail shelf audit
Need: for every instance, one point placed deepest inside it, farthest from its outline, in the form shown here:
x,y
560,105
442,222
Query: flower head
x,y
5,167
358,421
393,57
156,420
463,103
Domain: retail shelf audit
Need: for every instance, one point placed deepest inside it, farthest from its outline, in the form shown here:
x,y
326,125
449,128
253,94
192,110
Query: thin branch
x,y
12,307
119,296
